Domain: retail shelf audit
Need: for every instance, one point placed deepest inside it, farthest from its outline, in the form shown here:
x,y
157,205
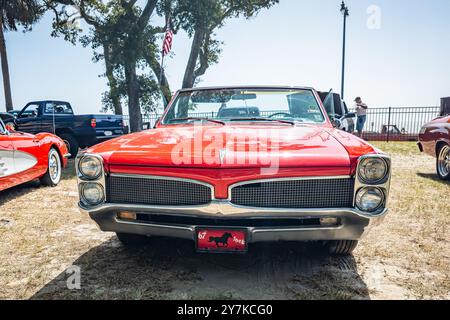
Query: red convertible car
x,y
216,171
434,139
25,157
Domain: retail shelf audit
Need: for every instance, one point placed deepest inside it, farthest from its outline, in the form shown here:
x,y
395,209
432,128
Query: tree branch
x,y
146,13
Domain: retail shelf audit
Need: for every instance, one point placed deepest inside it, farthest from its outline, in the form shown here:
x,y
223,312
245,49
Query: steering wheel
x,y
281,114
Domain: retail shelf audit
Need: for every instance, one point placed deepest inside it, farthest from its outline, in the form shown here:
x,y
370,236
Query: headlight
x,y
90,167
372,170
369,199
92,193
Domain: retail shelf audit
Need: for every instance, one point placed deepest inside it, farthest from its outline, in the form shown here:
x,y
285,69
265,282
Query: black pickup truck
x,y
77,131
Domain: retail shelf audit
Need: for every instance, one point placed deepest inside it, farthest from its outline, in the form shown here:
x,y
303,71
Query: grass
x,y
42,233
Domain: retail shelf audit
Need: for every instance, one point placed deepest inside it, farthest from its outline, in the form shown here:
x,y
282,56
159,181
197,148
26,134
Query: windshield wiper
x,y
198,119
264,119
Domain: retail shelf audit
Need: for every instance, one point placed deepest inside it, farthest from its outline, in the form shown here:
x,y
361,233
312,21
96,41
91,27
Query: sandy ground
x,y
44,239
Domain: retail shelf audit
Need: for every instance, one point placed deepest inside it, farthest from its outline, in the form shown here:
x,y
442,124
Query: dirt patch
x,y
44,238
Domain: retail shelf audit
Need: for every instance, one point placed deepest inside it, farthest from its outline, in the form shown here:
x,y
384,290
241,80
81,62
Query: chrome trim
x,y
384,185
243,183
353,225
225,209
67,155
124,175
101,179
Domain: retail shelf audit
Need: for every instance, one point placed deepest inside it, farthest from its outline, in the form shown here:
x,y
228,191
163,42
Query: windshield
x,y
226,105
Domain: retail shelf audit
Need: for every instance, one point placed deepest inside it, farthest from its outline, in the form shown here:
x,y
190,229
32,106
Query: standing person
x,y
361,112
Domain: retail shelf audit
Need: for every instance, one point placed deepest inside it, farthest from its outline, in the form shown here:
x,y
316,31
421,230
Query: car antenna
x,y
53,113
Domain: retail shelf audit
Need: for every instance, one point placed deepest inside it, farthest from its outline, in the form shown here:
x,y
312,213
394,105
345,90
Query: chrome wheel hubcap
x,y
444,161
54,167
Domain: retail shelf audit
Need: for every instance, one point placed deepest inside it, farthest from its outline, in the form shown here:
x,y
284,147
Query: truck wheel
x,y
443,162
71,143
132,240
53,175
342,247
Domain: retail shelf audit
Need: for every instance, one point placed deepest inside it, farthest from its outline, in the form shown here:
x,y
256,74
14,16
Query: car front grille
x,y
296,194
156,191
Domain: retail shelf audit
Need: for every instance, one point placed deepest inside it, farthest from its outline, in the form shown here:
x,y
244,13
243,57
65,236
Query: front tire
x,y
443,162
342,247
132,240
53,175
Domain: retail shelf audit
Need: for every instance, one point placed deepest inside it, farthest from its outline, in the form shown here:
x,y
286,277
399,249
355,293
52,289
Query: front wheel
x,y
341,247
53,175
443,162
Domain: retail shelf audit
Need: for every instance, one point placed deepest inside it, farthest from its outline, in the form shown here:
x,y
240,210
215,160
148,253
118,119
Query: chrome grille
x,y
156,191
296,194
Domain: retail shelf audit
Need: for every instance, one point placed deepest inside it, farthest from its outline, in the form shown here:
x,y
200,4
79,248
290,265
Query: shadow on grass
x,y
432,176
171,269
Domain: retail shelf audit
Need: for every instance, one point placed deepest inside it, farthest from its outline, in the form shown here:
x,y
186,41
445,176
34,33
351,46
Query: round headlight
x,y
90,167
369,199
372,170
92,193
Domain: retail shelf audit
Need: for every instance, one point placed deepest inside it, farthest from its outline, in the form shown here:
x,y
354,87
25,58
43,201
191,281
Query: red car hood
x,y
231,146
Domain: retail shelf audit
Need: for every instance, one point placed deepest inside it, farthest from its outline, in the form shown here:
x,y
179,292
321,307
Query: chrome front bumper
x,y
353,225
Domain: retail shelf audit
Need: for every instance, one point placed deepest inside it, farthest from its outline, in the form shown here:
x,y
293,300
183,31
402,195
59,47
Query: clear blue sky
x,y
405,62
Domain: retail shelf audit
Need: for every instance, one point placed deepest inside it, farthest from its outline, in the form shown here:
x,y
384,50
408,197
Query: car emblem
x,y
222,153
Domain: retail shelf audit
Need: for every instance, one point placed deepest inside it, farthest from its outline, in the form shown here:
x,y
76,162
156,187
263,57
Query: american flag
x,y
167,45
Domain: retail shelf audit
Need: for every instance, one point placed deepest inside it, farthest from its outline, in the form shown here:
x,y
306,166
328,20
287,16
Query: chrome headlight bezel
x,y
96,185
364,192
382,184
381,161
95,159
84,181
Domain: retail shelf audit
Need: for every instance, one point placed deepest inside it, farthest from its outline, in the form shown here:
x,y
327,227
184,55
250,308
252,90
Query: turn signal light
x,y
329,222
127,215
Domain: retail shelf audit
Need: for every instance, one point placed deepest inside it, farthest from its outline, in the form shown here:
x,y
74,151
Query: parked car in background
x,y
8,120
338,111
231,178
77,131
434,139
25,157
391,133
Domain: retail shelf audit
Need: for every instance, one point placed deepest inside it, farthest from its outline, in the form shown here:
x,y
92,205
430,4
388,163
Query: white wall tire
x,y
53,175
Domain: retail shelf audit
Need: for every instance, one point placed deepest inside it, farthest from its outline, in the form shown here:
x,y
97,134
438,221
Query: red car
x,y
25,157
230,166
434,139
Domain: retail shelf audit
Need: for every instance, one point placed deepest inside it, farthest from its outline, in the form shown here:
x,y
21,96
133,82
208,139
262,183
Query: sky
x,y
397,55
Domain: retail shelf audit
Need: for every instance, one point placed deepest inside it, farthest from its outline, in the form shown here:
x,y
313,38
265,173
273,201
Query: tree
x,y
200,19
121,36
12,14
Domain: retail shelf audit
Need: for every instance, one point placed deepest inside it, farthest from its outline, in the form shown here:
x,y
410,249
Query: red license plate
x,y
221,240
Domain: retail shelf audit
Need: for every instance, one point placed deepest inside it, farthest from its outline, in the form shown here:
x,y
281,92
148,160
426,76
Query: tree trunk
x,y
134,108
163,82
189,74
5,70
112,82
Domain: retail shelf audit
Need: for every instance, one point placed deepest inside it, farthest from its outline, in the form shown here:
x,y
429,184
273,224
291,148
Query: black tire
x,y
71,143
342,247
442,170
132,240
52,177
